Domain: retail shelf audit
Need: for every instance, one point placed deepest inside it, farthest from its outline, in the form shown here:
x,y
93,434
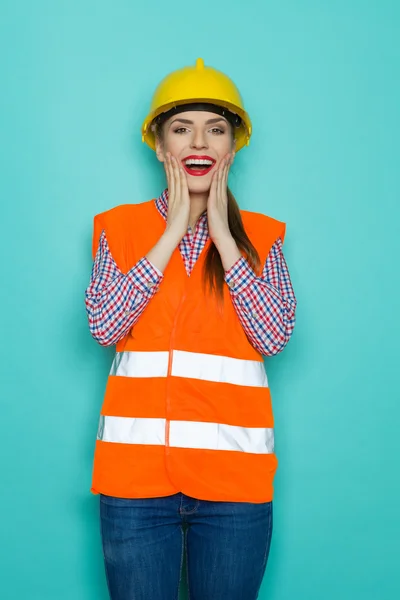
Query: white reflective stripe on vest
x,y
131,430
186,434
208,367
223,369
140,364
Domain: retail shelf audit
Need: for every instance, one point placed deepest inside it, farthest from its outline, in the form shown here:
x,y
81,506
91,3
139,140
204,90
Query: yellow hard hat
x,y
198,84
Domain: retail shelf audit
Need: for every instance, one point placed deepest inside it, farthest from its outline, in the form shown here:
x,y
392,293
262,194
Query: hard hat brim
x,y
242,133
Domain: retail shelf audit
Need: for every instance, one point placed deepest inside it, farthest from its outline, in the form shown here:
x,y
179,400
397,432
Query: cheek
x,y
223,145
173,144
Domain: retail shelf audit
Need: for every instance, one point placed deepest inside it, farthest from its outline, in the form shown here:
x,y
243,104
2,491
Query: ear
x,y
159,150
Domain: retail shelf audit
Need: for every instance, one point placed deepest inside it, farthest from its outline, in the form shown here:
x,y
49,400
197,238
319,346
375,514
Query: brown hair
x,y
213,271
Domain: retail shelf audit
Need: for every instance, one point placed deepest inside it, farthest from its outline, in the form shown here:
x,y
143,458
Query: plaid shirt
x,y
265,305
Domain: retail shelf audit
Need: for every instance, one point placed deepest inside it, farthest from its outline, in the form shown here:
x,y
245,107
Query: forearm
x,y
161,253
265,305
114,300
266,317
228,251
114,306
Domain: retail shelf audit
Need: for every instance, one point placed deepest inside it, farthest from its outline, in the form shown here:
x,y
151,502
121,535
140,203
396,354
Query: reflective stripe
x,y
208,367
187,434
215,436
224,369
140,364
127,430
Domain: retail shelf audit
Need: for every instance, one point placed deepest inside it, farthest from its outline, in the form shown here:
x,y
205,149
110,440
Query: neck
x,y
198,204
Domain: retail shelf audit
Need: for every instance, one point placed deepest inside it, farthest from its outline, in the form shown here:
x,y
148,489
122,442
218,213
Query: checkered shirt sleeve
x,y
114,301
265,305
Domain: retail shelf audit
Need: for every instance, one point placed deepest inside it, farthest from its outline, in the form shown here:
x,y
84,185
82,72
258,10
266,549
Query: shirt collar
x,y
162,207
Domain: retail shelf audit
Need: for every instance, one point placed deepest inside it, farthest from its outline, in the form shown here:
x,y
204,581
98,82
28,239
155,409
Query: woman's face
x,y
199,140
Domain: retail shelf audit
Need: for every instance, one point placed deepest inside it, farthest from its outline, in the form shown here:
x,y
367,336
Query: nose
x,y
199,140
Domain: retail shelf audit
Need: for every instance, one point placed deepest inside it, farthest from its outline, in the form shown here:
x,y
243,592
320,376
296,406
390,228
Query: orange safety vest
x,y
187,406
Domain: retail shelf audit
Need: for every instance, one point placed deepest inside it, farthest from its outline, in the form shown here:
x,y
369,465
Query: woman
x,y
193,292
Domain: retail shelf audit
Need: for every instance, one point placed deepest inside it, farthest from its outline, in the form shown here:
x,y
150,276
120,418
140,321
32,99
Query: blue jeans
x,y
227,546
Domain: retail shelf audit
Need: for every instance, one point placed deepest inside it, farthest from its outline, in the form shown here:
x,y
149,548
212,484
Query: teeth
x,y
198,161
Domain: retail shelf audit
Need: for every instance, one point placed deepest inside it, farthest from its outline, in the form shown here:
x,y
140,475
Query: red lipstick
x,y
197,170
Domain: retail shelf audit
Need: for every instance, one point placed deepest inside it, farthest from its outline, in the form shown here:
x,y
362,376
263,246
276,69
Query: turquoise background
x,y
321,82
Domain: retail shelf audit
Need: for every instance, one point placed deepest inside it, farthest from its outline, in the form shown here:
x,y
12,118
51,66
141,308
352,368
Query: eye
x,y
180,130
217,131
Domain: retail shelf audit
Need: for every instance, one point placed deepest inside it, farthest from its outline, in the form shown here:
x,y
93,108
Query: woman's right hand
x,y
178,197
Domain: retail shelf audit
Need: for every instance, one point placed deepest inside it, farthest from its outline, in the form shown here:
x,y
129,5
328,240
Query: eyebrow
x,y
209,122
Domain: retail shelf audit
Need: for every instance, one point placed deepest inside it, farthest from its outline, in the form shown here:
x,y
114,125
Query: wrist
x,y
228,251
171,236
224,240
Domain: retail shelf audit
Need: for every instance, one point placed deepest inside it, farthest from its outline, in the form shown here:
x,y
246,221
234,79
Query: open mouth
x,y
198,165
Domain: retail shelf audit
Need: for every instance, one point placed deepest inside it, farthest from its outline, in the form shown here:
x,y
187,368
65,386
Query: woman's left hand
x,y
217,205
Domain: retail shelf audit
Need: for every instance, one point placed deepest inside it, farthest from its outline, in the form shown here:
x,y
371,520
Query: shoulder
x,y
122,215
258,224
121,223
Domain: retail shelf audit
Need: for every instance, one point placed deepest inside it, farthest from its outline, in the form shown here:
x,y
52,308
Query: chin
x,y
199,187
